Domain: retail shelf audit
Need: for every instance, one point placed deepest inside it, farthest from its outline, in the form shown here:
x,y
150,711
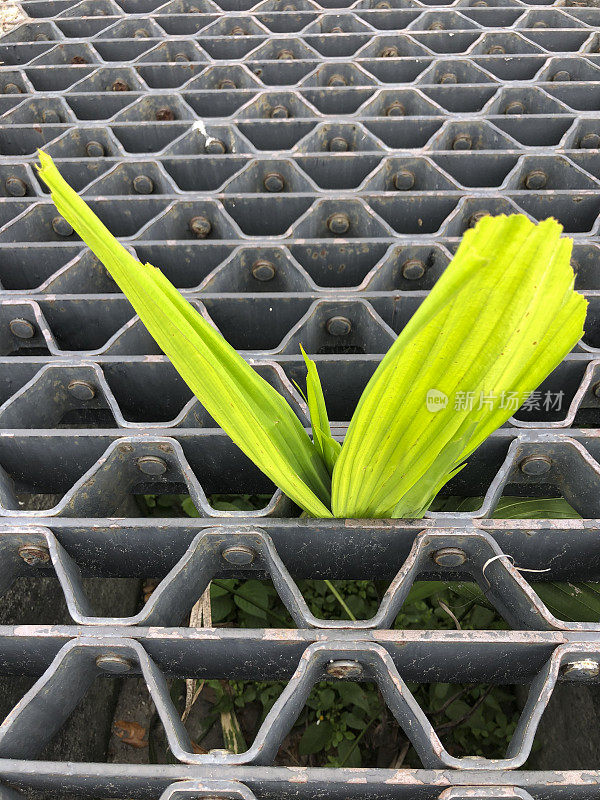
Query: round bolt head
x,y
338,145
15,187
113,663
50,117
141,33
437,26
480,4
21,328
540,24
33,554
180,58
142,184
42,37
337,29
536,179
449,557
596,389
591,141
239,555
337,80
61,227
94,149
238,31
215,147
12,88
285,55
478,215
280,112
338,224
395,109
383,5
413,269
263,270
227,84
583,668
535,465
274,182
497,50
448,77
516,107
152,465
390,52
404,180
165,114
561,75
200,227
344,670
120,86
81,390
338,326
462,142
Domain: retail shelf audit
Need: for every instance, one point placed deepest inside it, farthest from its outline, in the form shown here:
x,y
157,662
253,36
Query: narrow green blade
x,y
327,447
499,320
249,409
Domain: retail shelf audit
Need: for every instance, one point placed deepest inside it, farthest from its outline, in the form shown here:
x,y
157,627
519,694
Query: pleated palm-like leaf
x,y
498,321
250,410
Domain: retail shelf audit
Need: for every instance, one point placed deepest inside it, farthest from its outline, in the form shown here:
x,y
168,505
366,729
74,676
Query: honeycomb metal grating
x,y
303,172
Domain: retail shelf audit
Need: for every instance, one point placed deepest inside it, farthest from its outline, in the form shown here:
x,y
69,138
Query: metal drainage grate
x,y
304,173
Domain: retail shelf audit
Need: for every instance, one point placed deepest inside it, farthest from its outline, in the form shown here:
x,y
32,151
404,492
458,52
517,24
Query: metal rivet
x,y
274,182
141,33
584,668
21,328
478,215
404,180
338,326
337,80
561,75
590,141
344,669
142,184
81,390
516,107
539,24
536,179
496,50
395,109
448,77
535,465
50,116
338,224
338,144
165,114
215,147
437,26
239,554
449,557
94,149
120,86
480,4
152,465
238,31
78,60
12,88
42,37
33,554
280,112
390,52
289,8
462,142
596,389
61,227
111,662
200,227
413,269
180,57
337,29
263,270
285,55
383,5
15,186
226,84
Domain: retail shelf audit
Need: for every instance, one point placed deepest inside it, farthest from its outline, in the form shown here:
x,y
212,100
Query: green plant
x,y
498,321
